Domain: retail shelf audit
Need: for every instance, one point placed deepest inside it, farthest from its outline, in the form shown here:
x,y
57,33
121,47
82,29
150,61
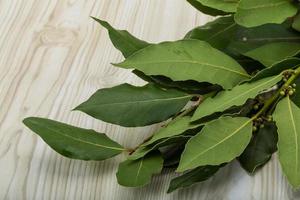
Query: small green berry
x,y
262,126
294,85
282,93
284,79
254,128
256,107
291,92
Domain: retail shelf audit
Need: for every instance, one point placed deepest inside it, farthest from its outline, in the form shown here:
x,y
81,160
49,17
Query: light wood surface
x,y
53,57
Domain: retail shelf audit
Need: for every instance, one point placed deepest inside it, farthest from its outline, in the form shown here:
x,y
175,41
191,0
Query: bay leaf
x,y
220,141
260,149
287,117
247,39
133,106
234,39
276,68
144,150
174,128
217,33
205,9
138,173
223,5
129,44
274,52
187,60
235,97
224,31
74,142
252,13
122,39
192,177
189,86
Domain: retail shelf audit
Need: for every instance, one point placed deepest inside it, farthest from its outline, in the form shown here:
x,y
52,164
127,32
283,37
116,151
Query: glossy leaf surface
x,y
132,106
287,117
187,60
235,97
220,141
74,142
258,12
137,173
274,52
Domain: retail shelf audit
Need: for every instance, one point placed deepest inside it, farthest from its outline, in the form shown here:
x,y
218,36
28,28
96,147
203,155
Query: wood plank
x,y
53,57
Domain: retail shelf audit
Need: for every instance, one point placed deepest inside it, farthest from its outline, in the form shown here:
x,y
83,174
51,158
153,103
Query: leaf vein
x,y
94,144
194,62
295,134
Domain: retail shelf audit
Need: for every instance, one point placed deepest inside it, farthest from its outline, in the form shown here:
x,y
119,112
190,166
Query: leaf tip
x,y
28,120
121,64
94,18
180,168
170,190
77,108
103,23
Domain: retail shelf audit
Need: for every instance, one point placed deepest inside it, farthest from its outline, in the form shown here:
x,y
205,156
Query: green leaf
x,y
205,9
217,33
296,23
235,97
224,31
189,86
128,44
274,52
247,39
74,142
181,60
235,39
296,96
197,175
122,40
277,68
132,106
220,141
171,154
144,150
287,117
223,5
174,128
137,173
258,12
260,149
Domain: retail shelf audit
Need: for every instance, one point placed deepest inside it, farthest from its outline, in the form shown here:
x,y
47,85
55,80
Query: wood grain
x,y
53,57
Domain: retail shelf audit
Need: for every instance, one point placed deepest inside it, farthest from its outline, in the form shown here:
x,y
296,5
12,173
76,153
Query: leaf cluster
x,y
228,90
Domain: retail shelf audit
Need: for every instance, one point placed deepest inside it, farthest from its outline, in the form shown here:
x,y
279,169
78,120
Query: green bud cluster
x,y
286,75
291,89
259,122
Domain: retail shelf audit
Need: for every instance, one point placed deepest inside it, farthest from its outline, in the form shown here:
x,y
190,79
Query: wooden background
x,y
53,57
